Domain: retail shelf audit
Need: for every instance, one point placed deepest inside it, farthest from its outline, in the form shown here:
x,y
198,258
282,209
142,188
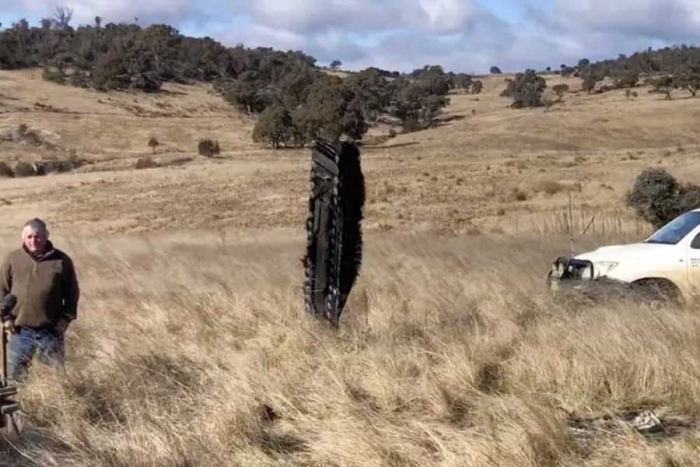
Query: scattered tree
x,y
62,18
663,85
688,78
335,64
246,96
560,90
330,111
462,81
153,144
416,107
495,70
274,126
526,90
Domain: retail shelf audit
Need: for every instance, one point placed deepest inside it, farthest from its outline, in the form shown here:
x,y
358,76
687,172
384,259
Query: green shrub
x,y
659,198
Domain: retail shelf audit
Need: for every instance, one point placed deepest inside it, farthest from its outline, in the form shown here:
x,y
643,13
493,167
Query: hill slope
x,y
485,166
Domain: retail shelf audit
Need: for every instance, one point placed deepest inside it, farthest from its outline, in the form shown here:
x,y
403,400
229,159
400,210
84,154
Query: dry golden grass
x,y
460,177
450,353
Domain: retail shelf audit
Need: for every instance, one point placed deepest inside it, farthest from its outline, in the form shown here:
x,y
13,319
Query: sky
x,y
461,35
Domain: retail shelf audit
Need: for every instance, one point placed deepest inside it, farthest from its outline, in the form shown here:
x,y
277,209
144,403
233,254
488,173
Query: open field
x,y
451,351
451,354
496,170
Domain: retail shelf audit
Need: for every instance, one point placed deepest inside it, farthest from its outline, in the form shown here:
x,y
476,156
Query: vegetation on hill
x,y
659,198
294,100
668,60
302,101
526,89
665,69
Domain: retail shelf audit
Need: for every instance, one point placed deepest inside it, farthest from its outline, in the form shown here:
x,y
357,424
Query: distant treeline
x,y
295,100
667,60
665,69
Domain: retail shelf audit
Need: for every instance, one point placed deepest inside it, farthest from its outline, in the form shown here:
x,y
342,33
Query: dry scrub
x,y
196,351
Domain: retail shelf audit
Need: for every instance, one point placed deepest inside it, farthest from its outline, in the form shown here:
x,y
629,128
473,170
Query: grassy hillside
x,y
451,351
486,167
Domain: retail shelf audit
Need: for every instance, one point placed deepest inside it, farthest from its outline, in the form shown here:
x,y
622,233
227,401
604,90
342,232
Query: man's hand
x,y
62,325
10,326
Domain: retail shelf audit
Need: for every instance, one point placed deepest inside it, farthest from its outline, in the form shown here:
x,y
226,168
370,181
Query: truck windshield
x,y
677,229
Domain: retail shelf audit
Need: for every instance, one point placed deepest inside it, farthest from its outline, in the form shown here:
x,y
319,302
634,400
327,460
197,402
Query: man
x,y
44,281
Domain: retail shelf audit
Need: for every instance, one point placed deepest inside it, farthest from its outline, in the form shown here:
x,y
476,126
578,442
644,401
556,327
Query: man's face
x,y
34,240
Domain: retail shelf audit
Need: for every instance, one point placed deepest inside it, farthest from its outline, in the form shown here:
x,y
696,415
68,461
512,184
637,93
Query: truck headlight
x,y
603,268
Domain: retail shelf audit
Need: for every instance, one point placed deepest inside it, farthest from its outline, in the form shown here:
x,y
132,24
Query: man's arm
x,y
71,290
5,277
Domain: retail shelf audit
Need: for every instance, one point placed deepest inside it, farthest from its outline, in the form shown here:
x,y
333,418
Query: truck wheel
x,y
656,293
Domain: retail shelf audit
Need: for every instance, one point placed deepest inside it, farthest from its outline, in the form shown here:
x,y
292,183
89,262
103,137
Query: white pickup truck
x,y
667,263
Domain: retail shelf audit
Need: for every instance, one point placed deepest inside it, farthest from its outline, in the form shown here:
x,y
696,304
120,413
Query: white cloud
x,y
85,11
272,37
664,19
447,15
312,15
462,36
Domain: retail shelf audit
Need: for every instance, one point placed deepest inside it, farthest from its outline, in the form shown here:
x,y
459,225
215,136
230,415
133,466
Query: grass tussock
x,y
197,352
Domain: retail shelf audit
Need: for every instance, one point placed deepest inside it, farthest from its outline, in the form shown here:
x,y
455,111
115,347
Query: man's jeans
x,y
47,344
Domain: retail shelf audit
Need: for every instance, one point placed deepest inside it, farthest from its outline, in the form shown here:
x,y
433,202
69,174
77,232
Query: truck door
x,y
693,264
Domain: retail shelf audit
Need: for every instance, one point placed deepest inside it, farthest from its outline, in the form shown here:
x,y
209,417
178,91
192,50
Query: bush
x,y
6,170
627,80
145,163
208,148
659,198
55,166
24,169
560,90
53,75
550,187
588,83
518,195
60,166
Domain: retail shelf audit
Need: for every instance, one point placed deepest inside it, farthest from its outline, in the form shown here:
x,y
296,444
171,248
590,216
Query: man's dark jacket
x,y
45,285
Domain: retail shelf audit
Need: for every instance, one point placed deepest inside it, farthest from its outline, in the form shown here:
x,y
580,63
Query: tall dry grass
x,y
451,353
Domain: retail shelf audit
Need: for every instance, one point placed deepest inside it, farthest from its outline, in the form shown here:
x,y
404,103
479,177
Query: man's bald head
x,y
35,235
